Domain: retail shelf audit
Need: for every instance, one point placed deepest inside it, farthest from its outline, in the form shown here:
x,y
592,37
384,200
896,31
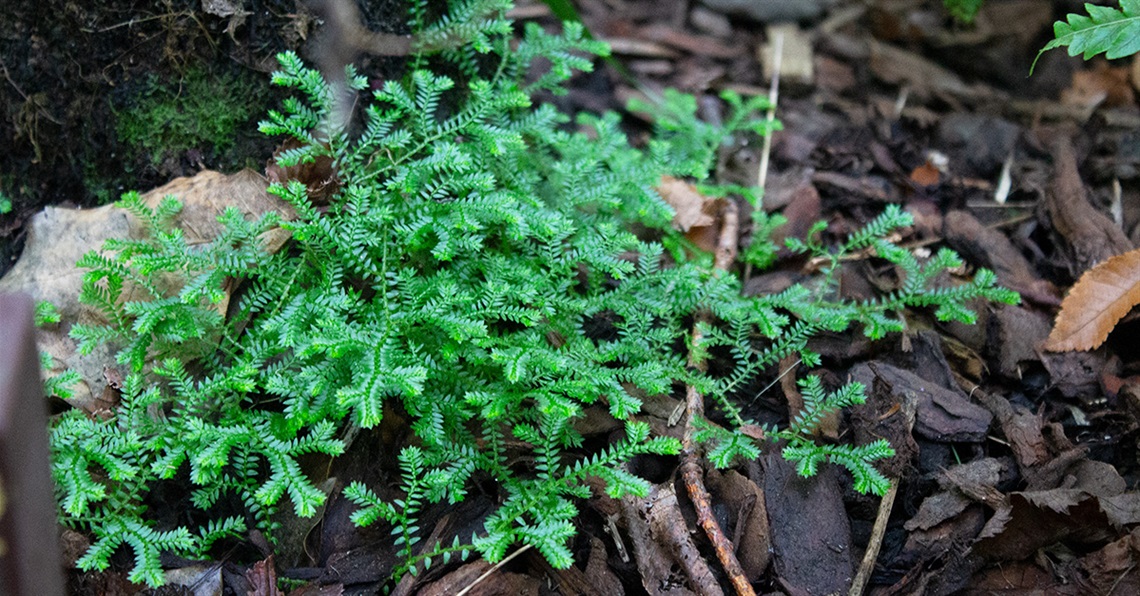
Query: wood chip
x,y
1091,236
796,65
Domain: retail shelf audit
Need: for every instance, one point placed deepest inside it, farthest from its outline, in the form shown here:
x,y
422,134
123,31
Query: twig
x,y
493,569
691,472
136,20
728,239
909,410
1120,579
773,97
667,526
652,523
612,530
725,551
4,68
778,378
876,542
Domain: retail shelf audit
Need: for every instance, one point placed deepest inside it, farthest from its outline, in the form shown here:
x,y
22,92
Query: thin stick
x,y
776,380
691,472
877,532
493,569
909,409
136,20
773,97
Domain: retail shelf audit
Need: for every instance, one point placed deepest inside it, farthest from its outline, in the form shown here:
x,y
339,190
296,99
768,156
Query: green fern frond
x,y
1109,31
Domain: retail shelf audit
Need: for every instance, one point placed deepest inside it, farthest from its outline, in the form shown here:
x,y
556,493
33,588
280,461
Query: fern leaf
x,y
1114,33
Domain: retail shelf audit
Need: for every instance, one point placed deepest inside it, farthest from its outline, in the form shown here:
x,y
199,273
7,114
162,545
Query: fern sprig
x,y
1105,30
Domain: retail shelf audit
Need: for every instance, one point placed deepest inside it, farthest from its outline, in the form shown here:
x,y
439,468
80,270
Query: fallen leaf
x,y
1107,571
925,175
263,577
1099,299
695,214
1102,84
319,175
691,207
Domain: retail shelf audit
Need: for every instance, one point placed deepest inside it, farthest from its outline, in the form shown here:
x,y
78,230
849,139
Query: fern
x,y
490,267
1109,31
821,310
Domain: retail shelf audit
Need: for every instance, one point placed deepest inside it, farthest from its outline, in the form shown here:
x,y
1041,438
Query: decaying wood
x,y
989,247
597,579
668,527
1092,237
751,534
811,533
654,563
886,505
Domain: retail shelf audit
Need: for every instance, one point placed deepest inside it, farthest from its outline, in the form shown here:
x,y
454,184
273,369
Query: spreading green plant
x,y
490,268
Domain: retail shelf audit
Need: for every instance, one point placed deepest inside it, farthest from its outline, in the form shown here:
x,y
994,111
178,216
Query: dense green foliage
x,y
489,267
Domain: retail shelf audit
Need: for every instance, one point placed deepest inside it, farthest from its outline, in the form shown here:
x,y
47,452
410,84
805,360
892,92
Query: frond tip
x,y
1106,30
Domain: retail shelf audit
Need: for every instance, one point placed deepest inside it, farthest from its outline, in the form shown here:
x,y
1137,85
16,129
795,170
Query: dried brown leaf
x,y
263,577
319,176
700,217
1099,299
693,210
926,175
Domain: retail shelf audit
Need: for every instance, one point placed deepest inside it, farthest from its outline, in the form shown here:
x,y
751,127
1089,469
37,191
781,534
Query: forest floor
x,y
1017,469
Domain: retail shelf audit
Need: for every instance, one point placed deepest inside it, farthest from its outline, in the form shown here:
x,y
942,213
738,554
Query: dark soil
x,y
70,69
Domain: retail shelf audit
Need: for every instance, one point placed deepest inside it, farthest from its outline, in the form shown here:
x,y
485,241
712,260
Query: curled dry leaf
x,y
926,175
695,214
1099,299
693,210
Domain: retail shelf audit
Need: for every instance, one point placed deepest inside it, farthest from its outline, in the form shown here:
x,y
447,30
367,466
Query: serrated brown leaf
x,y
1099,299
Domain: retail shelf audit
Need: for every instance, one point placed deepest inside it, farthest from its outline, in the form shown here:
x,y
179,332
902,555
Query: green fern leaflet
x,y
1114,33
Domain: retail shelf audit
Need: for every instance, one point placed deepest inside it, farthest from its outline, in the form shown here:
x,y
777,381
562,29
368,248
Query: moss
x,y
202,111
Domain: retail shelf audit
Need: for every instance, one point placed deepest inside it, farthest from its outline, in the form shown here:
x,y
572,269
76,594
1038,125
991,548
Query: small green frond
x,y
1109,31
45,314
